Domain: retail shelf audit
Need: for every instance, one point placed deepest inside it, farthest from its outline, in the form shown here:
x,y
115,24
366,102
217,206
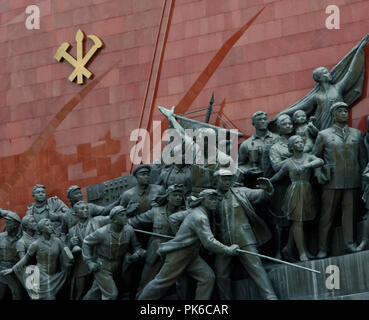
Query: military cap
x,y
223,172
207,192
175,187
11,216
116,210
337,105
71,189
142,167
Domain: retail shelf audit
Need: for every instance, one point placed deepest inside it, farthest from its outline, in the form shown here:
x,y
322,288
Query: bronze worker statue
x,y
343,151
8,254
53,262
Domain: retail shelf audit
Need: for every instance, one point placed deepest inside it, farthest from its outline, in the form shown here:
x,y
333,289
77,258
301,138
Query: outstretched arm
x,y
280,174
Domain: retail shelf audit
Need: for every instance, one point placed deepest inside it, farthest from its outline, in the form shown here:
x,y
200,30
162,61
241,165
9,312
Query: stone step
x,y
296,284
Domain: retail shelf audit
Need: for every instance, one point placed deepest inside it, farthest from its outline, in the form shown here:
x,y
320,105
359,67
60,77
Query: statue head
x,y
74,194
285,125
175,195
118,215
39,193
29,223
81,209
209,199
142,174
296,143
299,117
12,222
44,226
322,74
339,111
224,179
260,120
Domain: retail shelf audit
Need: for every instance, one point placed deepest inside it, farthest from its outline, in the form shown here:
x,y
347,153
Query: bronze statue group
x,y
182,235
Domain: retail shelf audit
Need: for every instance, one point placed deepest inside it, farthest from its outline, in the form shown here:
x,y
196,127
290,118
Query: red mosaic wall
x,y
269,68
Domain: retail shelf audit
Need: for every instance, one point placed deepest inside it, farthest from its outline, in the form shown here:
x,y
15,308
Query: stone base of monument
x,y
296,284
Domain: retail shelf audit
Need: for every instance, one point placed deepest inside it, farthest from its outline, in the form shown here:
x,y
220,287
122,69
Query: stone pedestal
x,y
296,284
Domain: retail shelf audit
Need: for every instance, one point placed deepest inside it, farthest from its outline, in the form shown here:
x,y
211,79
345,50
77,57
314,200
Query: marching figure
x,y
157,217
237,223
182,252
112,244
9,255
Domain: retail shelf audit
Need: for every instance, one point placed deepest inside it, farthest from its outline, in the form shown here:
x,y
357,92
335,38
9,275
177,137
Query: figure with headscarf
x,y
343,151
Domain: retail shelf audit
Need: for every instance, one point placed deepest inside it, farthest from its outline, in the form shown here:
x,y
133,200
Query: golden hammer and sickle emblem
x,y
79,64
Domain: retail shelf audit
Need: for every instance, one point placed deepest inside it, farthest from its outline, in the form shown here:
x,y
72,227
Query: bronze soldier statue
x,y
182,252
70,217
111,244
8,254
77,233
343,151
254,152
237,223
157,217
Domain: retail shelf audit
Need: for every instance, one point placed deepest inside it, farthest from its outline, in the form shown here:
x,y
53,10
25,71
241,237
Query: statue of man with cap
x,y
105,251
70,218
253,155
158,219
182,252
237,223
343,151
143,193
9,255
47,208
